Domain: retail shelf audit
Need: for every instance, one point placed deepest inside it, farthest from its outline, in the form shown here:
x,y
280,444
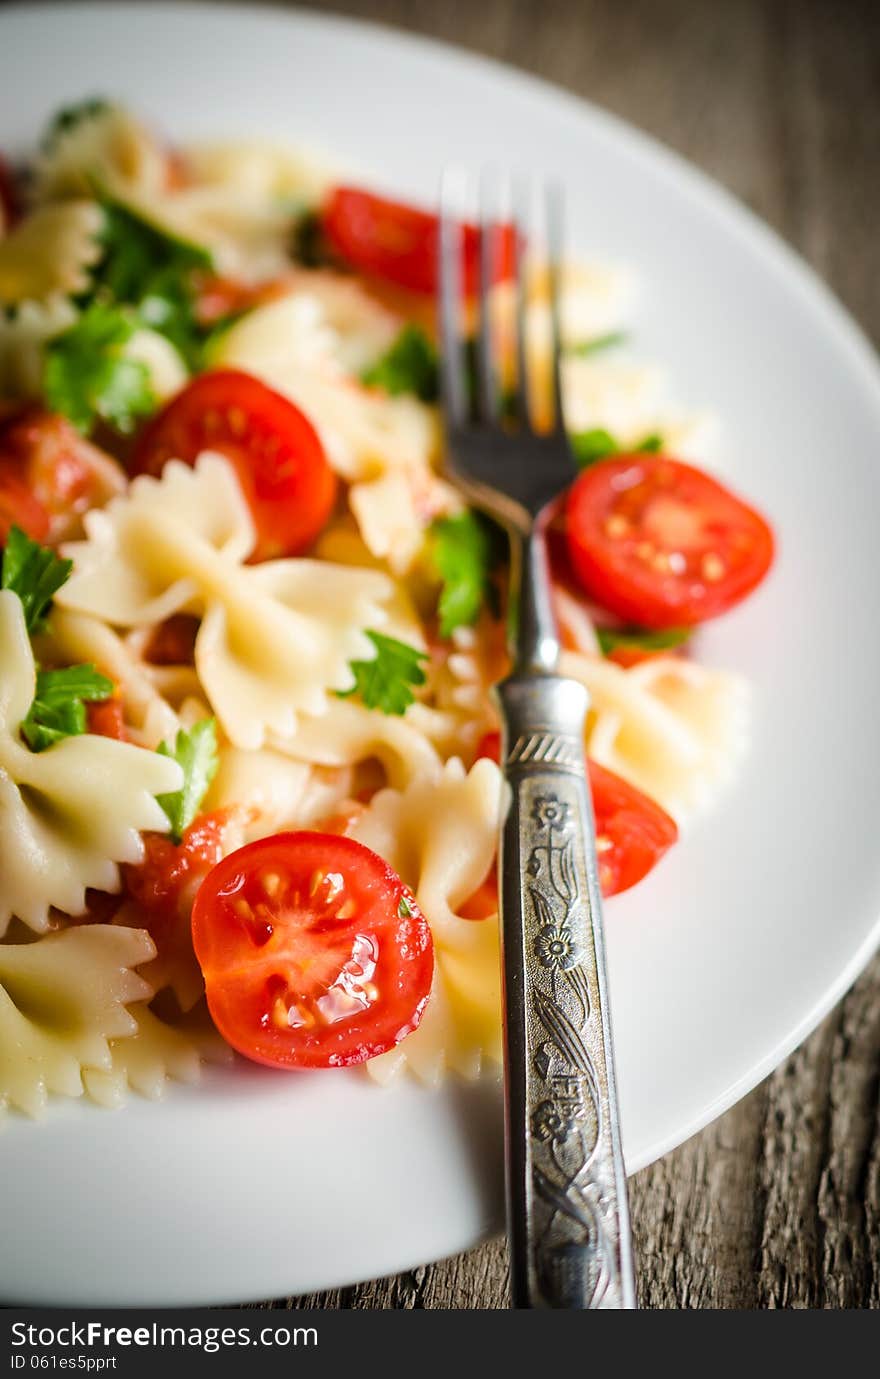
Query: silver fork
x,y
568,1219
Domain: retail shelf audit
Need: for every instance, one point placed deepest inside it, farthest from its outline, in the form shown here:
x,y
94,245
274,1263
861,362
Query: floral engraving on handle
x,y
575,1238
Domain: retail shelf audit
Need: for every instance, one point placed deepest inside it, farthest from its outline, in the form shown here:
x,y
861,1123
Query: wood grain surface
x,y
778,1203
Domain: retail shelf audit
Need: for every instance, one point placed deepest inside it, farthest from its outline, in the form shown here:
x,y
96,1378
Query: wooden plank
x,y
778,1203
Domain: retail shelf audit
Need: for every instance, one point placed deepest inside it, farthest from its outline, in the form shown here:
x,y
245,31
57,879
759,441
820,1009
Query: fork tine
x,y
520,217
487,389
554,218
449,254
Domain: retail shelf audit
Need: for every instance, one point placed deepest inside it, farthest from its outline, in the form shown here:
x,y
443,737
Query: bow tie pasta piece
x,y
672,728
274,638
325,323
70,814
270,792
631,402
150,718
22,340
154,1055
289,345
101,145
275,646
147,550
348,733
248,240
394,511
62,999
440,835
49,253
260,170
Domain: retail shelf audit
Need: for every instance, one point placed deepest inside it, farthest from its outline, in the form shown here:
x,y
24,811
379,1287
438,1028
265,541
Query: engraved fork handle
x,y
567,1207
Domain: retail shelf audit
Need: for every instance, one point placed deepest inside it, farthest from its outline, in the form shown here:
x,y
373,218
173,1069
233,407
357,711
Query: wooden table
x,y
778,1203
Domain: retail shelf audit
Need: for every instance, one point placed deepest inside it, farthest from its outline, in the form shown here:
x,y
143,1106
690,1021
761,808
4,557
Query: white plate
x,y
258,1184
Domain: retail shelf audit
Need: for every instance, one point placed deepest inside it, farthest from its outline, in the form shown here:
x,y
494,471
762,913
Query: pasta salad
x,y
249,783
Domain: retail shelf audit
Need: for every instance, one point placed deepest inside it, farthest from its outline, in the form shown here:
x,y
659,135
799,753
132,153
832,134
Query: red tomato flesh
x,y
313,951
632,831
19,507
165,881
106,718
398,243
61,470
662,544
273,446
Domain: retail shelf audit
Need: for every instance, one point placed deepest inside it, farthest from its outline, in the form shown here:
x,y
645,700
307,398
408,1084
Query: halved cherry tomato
x,y
314,953
399,243
662,544
632,832
19,507
64,472
274,448
106,718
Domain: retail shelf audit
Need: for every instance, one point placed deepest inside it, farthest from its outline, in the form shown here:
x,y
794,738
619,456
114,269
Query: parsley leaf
x,y
651,444
87,375
196,752
409,366
385,681
464,552
590,446
642,639
59,707
404,909
70,116
598,344
34,573
146,267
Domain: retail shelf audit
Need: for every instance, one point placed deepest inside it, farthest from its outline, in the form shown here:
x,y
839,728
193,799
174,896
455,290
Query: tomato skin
x,y
398,243
314,953
632,831
628,515
278,458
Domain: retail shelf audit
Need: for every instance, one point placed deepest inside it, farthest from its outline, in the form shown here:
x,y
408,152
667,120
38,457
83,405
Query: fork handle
x,y
567,1207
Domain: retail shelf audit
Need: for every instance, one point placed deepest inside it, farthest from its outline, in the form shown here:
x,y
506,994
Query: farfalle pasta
x,y
441,835
250,796
70,814
274,639
49,254
63,999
